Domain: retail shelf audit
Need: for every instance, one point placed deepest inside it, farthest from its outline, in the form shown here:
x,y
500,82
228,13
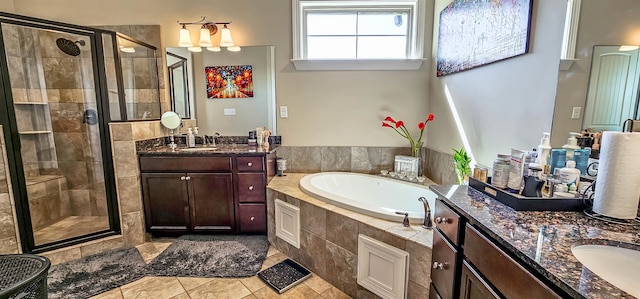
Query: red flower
x,y
430,117
399,127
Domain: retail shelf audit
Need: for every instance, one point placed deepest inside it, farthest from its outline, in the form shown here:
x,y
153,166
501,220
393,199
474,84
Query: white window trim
x,y
416,32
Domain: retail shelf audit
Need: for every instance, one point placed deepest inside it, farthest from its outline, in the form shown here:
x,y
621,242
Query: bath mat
x,y
284,275
95,274
211,256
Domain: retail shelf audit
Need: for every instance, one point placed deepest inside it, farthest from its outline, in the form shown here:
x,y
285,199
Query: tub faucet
x,y
427,213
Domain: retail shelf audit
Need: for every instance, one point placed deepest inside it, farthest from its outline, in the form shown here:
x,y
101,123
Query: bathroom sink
x,y
617,265
198,149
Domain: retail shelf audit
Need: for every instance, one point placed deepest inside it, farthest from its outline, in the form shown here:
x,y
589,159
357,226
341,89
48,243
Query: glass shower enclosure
x,y
61,85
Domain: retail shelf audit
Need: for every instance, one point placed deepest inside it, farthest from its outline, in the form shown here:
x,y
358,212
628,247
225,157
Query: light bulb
x,y
213,49
185,38
234,49
225,37
205,38
194,49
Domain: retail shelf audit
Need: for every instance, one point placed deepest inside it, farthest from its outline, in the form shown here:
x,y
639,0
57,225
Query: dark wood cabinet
x,y
211,209
472,286
209,194
166,202
467,264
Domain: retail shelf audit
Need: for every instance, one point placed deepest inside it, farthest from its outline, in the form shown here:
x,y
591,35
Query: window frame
x,y
416,10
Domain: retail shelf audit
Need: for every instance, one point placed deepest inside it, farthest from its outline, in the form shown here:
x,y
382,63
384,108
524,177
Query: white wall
x,y
505,104
325,108
250,112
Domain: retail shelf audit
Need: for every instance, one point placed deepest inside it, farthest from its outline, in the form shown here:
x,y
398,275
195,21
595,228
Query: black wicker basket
x,y
23,276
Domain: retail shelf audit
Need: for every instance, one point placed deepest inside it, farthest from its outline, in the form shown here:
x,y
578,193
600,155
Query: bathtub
x,y
371,195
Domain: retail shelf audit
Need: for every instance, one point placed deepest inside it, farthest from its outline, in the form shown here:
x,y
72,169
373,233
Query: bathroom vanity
x,y
206,190
484,249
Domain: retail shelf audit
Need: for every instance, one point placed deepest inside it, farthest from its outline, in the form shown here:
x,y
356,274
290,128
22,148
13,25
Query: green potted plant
x,y
461,163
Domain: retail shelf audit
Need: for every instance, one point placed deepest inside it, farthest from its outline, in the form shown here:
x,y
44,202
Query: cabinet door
x,y
443,262
472,286
211,201
166,206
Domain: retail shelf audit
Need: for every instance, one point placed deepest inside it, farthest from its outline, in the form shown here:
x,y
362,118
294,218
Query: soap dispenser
x,y
191,139
572,144
544,150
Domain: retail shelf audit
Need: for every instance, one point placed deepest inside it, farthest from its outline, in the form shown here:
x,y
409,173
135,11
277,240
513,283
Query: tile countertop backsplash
x,y
543,240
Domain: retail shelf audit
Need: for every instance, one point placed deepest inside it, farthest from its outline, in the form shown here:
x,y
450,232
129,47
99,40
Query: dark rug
x,y
211,256
95,274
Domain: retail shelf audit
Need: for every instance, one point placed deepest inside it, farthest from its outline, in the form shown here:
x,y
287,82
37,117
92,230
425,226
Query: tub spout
x,y
427,214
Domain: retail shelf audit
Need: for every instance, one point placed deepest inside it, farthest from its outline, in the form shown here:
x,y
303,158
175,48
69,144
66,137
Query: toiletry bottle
x,y
195,131
500,173
191,139
259,136
544,150
558,159
533,184
570,175
581,156
572,144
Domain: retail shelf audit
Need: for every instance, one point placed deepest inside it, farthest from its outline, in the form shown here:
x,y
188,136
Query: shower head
x,y
69,47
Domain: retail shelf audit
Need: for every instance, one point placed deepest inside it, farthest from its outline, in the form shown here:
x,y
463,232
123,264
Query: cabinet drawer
x,y
250,164
252,218
186,164
448,221
506,275
443,266
251,187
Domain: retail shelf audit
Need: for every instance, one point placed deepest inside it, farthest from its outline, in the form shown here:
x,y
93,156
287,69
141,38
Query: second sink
x,y
617,265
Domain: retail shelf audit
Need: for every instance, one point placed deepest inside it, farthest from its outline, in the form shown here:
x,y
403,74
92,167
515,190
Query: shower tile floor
x,y
218,288
70,227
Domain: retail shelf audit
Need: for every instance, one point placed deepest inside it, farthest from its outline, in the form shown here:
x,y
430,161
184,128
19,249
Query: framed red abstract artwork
x,y
225,82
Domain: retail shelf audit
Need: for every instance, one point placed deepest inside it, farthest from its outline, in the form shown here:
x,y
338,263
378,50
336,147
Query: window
x,y
358,35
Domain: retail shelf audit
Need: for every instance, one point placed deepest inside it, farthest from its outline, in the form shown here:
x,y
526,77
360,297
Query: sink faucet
x,y
427,214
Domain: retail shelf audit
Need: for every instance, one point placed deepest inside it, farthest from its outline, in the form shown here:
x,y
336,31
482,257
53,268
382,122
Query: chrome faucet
x,y
427,214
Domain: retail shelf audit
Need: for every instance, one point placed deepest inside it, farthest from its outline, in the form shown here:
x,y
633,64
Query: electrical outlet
x,y
575,114
284,112
229,111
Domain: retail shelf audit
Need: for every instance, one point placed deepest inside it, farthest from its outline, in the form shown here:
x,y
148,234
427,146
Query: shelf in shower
x,y
29,103
33,132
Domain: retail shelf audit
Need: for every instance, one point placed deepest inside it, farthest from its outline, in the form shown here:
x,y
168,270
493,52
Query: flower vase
x,y
462,174
416,152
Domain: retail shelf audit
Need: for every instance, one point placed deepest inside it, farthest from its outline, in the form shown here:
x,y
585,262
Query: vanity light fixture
x,y
207,29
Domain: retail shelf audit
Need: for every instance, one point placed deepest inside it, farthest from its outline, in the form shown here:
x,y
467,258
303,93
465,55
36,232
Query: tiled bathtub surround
x,y
309,159
329,237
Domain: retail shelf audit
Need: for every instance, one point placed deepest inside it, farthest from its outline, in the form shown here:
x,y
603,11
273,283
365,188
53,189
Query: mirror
x,y
178,84
612,22
170,120
223,103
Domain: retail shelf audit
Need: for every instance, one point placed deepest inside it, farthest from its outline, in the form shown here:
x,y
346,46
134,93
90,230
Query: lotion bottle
x,y
570,175
544,150
191,139
572,144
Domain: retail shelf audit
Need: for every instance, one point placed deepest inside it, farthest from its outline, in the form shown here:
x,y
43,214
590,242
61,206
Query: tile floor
x,y
70,227
218,288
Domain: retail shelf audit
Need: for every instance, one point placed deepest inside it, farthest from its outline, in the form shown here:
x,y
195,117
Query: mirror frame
x,y
182,63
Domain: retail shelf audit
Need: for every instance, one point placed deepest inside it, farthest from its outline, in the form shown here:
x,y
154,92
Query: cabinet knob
x,y
249,164
188,178
250,187
253,218
437,265
441,220
182,178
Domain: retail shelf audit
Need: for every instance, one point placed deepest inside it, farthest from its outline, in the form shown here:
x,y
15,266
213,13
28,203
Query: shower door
x,y
57,139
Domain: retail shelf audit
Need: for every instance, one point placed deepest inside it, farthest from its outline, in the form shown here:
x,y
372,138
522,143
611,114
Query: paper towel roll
x,y
618,183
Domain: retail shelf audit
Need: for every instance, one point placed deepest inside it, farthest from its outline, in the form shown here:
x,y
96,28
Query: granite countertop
x,y
543,240
220,149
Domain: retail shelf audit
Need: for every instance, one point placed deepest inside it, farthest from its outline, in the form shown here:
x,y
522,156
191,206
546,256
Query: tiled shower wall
x,y
437,166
